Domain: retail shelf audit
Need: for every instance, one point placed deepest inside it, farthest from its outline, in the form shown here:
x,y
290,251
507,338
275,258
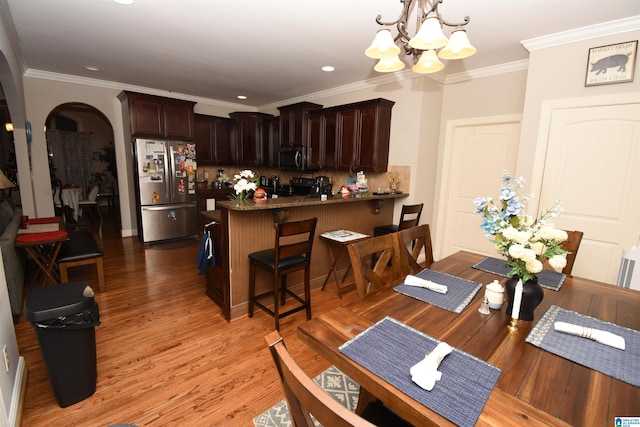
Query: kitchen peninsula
x,y
240,228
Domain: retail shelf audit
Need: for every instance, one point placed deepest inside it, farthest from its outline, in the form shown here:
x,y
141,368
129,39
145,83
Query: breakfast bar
x,y
240,228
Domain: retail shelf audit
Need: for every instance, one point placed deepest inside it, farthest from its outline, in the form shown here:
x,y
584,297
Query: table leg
x,y
334,261
45,258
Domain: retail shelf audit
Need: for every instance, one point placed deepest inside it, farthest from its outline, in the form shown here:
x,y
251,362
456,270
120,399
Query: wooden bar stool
x,y
292,252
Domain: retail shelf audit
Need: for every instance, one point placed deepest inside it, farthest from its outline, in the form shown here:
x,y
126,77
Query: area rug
x,y
333,381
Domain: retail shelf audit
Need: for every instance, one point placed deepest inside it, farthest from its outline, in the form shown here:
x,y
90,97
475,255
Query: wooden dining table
x,y
535,387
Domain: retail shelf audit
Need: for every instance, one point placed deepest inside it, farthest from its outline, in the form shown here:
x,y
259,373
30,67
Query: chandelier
x,y
423,45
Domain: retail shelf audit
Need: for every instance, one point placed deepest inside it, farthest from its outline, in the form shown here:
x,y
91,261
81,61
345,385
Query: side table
x,y
42,241
337,242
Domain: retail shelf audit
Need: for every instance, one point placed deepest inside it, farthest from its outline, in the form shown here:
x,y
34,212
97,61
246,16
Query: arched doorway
x,y
80,145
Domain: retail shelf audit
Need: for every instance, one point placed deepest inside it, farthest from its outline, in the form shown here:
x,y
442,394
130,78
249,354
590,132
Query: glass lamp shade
x,y
383,46
388,65
430,35
458,47
428,63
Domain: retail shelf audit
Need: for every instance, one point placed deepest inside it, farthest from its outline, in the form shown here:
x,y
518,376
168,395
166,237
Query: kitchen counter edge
x,y
297,201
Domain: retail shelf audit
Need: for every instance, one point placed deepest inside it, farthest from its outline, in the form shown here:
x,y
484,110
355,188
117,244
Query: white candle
x,y
517,300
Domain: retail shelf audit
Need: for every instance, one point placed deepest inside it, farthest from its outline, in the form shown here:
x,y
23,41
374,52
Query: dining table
x,y
534,386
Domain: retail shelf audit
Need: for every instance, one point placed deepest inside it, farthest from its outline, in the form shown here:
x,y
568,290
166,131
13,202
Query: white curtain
x,y
71,157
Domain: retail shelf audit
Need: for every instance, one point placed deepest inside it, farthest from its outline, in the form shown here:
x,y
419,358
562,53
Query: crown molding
x,y
68,78
495,70
579,34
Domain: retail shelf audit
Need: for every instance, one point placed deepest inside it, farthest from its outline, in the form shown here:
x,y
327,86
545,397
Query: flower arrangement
x,y
525,242
245,181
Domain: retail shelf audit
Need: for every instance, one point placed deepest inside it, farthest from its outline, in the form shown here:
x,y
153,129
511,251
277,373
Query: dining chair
x,y
371,274
409,217
91,202
413,242
292,252
56,191
305,397
572,244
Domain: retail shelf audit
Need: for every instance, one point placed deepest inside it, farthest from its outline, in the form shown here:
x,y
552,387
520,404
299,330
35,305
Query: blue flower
x,y
481,203
513,206
507,191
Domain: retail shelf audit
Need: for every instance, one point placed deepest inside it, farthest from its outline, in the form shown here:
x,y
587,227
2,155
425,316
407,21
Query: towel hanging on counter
x,y
206,254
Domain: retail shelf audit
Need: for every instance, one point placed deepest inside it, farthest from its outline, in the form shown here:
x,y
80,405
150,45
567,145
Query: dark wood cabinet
x,y
250,134
362,135
270,141
209,193
293,123
215,140
158,117
321,139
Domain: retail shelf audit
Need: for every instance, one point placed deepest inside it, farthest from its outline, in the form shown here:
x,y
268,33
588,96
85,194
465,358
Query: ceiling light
x,y
328,68
91,68
124,1
242,97
422,46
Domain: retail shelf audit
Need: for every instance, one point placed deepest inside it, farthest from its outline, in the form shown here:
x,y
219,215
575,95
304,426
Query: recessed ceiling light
x,y
328,68
124,1
91,68
242,97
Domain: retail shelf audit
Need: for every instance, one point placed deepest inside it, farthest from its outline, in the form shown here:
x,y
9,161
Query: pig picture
x,y
619,61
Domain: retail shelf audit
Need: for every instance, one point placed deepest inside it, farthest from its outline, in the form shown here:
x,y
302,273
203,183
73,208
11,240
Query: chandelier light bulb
x,y
430,35
428,63
389,64
458,47
383,46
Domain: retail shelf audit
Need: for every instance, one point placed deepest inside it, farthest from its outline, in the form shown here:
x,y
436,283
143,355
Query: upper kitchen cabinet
x,y
215,140
293,123
321,139
270,141
158,117
362,135
250,132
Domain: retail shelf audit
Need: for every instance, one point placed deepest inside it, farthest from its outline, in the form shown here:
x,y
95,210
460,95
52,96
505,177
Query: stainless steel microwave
x,y
293,158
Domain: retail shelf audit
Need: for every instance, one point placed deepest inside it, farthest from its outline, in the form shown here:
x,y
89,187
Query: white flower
x,y
558,262
537,247
528,255
534,266
516,251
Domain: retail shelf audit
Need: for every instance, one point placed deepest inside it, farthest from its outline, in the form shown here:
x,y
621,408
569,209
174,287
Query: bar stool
x,y
290,254
409,217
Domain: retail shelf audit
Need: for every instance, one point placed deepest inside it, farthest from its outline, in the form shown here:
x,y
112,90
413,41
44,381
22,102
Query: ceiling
x,y
270,51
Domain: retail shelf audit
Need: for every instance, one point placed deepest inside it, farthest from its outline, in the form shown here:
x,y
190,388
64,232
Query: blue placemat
x,y
620,364
390,348
459,293
547,278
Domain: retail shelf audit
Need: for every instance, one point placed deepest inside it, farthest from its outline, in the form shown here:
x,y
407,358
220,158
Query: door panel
x,y
593,167
475,156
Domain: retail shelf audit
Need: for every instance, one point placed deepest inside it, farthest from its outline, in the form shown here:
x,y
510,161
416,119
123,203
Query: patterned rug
x,y
333,381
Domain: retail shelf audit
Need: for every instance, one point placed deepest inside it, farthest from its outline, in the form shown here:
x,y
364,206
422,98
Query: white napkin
x,y
597,335
425,373
427,284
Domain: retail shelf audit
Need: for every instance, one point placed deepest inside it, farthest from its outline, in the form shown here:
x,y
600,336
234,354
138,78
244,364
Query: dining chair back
x,y
292,252
305,397
409,217
413,242
370,259
572,244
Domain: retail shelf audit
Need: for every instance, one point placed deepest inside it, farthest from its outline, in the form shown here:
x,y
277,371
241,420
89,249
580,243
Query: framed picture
x,y
614,63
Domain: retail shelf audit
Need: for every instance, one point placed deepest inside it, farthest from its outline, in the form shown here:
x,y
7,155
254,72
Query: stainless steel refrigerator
x,y
166,189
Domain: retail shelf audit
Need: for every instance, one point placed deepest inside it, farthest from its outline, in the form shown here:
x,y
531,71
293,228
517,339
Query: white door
x,y
593,167
475,155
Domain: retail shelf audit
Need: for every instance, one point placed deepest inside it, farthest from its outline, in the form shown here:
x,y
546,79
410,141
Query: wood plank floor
x,y
165,355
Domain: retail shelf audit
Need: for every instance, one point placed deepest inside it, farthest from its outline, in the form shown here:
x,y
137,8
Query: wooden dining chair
x,y
412,243
572,244
305,397
409,217
292,252
372,274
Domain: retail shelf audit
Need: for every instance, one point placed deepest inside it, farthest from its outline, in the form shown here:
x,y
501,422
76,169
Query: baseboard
x,y
17,397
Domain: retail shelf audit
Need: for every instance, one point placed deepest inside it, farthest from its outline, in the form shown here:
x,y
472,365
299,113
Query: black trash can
x,y
64,317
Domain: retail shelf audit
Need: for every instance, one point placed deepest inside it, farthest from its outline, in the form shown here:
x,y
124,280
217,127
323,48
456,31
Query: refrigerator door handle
x,y
169,173
167,207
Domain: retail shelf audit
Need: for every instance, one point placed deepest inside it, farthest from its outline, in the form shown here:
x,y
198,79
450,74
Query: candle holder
x,y
513,325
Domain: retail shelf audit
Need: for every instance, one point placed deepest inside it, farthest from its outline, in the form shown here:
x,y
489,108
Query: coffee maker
x,y
322,187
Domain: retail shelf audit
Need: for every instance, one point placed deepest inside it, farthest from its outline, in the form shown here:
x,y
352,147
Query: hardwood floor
x,y
165,356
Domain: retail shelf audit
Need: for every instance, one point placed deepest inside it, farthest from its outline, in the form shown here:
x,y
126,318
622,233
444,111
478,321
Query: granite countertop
x,y
297,201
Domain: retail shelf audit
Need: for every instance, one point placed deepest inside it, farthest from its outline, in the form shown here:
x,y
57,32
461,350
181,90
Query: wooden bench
x,y
81,249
